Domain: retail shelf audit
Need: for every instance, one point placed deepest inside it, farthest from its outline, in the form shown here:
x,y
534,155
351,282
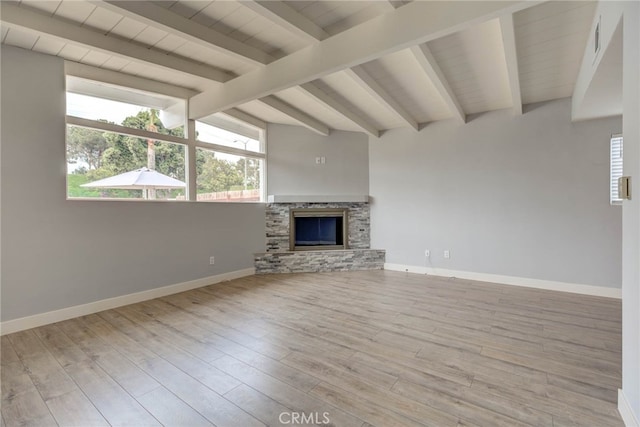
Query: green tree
x,y
87,146
218,174
126,153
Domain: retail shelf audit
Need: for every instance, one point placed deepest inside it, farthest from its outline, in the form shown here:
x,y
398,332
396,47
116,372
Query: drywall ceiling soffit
x,y
603,97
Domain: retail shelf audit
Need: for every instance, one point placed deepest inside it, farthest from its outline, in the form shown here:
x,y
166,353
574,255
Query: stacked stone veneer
x,y
279,259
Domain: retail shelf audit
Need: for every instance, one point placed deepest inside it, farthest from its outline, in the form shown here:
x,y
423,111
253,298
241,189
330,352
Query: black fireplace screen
x,y
318,229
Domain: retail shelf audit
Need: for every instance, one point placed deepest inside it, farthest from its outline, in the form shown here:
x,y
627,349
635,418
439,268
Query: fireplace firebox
x,y
318,229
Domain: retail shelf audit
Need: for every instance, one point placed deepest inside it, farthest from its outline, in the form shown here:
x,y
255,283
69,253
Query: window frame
x,y
616,167
190,142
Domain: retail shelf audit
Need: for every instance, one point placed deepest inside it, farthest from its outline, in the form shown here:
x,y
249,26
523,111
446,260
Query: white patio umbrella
x,y
140,179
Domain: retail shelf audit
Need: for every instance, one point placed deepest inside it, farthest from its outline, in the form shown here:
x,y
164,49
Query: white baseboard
x,y
36,320
626,413
600,291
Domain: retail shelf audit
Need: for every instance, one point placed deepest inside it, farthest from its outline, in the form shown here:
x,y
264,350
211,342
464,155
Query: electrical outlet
x,y
447,254
212,260
427,253
318,160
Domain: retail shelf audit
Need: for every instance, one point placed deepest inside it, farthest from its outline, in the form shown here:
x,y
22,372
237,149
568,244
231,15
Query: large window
x,y
616,169
126,144
230,166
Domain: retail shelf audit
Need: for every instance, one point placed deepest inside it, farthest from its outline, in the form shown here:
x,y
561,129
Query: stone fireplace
x,y
318,233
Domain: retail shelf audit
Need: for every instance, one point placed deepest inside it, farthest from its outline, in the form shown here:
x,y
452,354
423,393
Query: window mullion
x,y
191,167
137,133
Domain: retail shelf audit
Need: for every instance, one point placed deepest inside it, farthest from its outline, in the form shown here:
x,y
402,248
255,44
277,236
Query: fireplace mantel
x,y
345,198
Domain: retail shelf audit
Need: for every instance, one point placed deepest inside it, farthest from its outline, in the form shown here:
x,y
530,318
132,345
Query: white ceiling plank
x,y
48,46
188,8
328,100
360,76
511,56
95,58
116,63
430,66
415,23
127,28
150,36
18,17
18,37
75,11
103,20
303,118
171,22
46,6
73,52
376,8
288,18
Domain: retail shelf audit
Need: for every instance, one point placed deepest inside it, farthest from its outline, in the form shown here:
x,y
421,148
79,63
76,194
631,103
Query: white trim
x,y
36,320
341,198
626,413
600,291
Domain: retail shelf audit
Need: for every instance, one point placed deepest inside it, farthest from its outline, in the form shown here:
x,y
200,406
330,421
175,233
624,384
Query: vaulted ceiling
x,y
352,65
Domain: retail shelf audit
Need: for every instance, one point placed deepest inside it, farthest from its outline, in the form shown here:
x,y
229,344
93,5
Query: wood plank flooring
x,y
373,348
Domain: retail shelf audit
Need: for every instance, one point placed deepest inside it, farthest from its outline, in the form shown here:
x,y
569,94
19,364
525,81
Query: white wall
x,y
292,169
522,196
631,210
58,253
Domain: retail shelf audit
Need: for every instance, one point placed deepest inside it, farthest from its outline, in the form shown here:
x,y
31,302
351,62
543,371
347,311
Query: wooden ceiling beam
x,y
430,66
412,24
373,88
337,106
288,18
299,116
511,56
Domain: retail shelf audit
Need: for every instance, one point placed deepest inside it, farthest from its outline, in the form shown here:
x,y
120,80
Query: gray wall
x,y
292,169
519,196
58,253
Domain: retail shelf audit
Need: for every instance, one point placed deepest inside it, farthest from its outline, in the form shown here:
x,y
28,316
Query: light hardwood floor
x,y
359,348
